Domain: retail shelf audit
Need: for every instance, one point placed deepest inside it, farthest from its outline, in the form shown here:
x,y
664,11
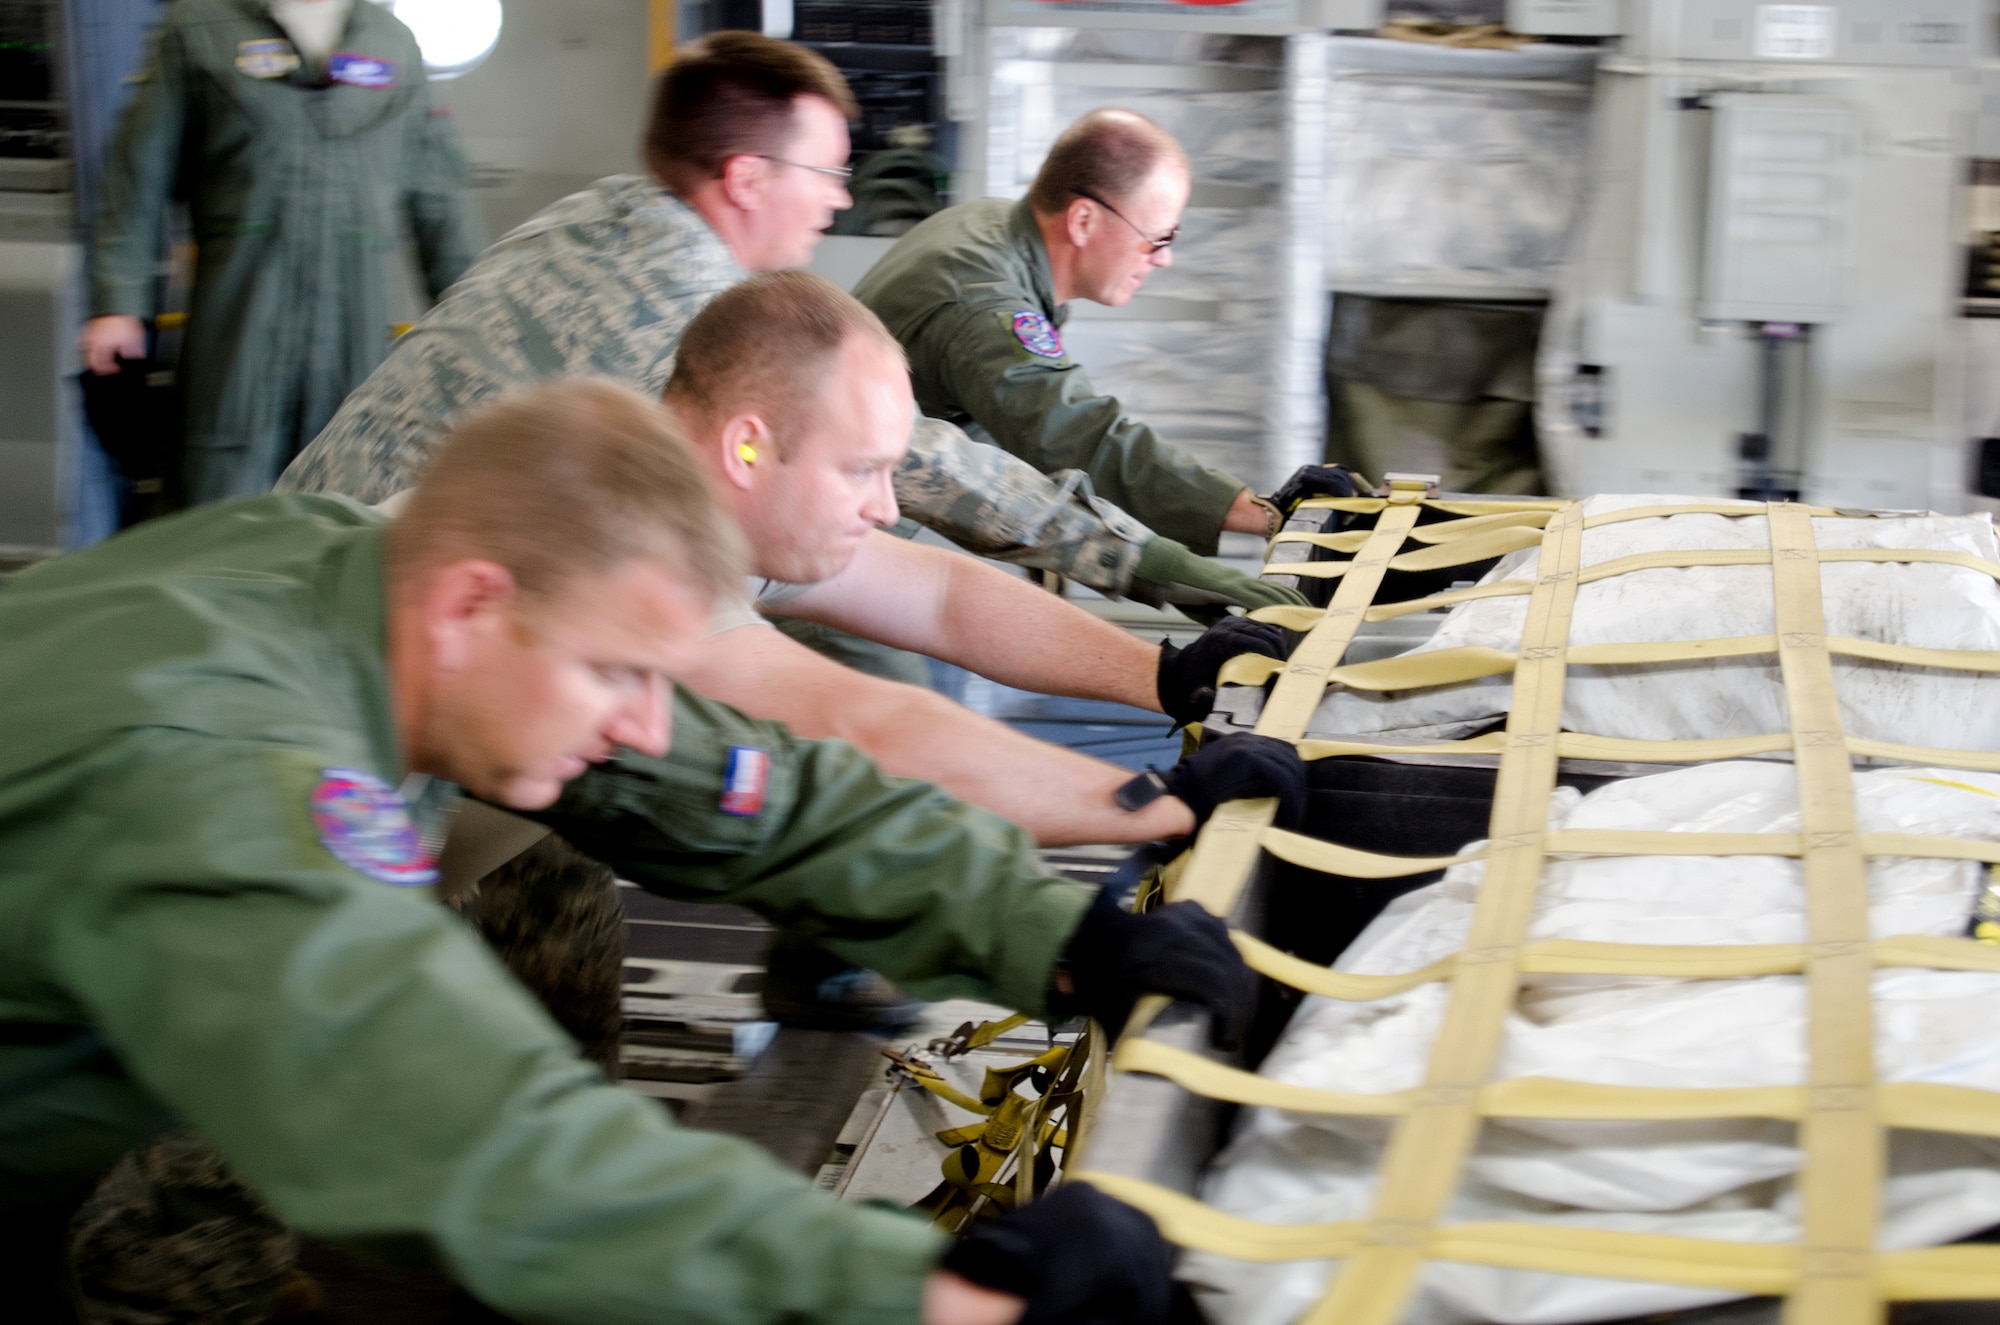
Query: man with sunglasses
x,y
978,294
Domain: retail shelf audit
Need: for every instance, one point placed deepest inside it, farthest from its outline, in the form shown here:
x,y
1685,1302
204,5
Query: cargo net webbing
x,y
1834,1275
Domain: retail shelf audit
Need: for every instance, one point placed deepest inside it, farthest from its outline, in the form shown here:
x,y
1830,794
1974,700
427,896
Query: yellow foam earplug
x,y
746,453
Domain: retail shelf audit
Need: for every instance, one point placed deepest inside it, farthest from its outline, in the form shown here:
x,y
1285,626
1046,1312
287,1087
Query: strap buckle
x,y
1400,488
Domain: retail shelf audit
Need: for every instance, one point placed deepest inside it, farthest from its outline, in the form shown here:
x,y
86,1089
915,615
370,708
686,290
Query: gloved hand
x,y
1317,481
1116,957
1079,1258
1186,680
1240,767
1182,578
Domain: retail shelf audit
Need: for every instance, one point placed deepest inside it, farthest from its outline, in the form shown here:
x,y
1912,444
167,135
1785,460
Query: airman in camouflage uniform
x,y
603,283
212,1251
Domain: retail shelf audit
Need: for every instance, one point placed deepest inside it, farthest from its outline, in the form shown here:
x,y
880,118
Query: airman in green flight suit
x,y
214,900
978,295
302,171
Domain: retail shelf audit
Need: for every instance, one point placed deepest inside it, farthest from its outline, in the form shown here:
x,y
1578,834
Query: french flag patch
x,y
744,778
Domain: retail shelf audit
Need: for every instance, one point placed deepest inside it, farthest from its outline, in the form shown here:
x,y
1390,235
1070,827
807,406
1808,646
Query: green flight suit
x,y
184,934
301,180
969,294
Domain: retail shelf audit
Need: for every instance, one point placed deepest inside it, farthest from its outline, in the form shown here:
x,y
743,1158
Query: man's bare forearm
x,y
1030,639
1062,797
964,611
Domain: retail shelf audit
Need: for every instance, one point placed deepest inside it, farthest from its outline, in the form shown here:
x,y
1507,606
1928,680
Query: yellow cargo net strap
x,y
1303,618
1226,851
1439,667
1918,1105
1731,961
1449,531
1575,745
1834,1274
1477,537
1935,1273
1430,1143
1469,550
1353,863
1840,1137
1520,516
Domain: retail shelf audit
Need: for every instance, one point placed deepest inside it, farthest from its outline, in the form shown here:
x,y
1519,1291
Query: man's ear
x,y
743,180
1080,221
466,602
747,449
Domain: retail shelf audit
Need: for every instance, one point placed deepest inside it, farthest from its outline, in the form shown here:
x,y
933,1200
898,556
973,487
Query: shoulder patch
x,y
1037,335
269,57
367,827
744,778
361,70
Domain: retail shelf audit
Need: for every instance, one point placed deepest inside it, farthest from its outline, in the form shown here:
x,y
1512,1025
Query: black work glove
x,y
1078,1257
1317,481
1186,680
1180,950
1241,767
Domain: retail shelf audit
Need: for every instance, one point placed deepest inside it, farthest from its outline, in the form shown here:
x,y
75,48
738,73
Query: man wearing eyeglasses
x,y
978,294
746,148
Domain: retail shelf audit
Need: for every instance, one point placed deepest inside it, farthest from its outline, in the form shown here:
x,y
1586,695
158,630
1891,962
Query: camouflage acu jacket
x,y
603,283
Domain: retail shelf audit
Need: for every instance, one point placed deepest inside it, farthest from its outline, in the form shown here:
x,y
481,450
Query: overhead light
x,y
455,36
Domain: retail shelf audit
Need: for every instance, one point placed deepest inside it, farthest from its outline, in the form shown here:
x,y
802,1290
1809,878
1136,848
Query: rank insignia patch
x,y
1036,335
362,70
744,778
367,827
268,58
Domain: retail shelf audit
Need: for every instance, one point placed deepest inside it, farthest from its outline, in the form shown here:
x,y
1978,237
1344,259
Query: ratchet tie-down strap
x,y
1006,1158
1834,1276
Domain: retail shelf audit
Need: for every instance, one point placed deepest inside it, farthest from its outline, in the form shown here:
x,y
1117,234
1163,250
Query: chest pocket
x,y
263,79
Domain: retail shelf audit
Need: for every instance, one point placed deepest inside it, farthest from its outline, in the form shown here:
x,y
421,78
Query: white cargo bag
x,y
1935,606
1723,1179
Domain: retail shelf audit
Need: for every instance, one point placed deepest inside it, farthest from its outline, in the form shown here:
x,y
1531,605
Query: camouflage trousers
x,y
170,1237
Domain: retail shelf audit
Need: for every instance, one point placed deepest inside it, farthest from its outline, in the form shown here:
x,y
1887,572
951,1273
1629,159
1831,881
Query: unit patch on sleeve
x,y
362,70
744,778
367,827
1037,335
270,57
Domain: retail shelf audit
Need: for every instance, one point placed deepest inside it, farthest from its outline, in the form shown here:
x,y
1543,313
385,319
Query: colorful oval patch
x,y
367,827
361,70
1036,335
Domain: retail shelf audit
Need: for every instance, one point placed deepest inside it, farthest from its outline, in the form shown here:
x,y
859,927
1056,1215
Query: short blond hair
x,y
769,344
567,479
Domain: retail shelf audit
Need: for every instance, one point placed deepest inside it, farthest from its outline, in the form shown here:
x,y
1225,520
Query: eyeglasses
x,y
1154,244
841,173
